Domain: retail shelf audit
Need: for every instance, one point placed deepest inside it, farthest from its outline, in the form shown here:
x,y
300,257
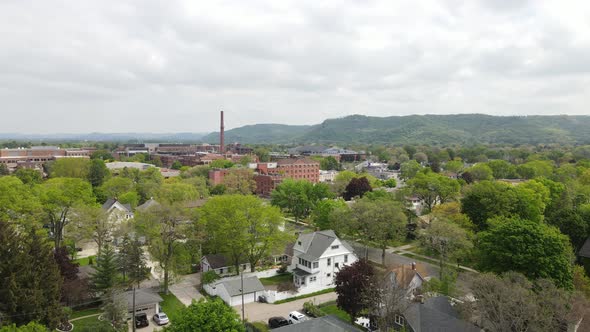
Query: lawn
x,y
325,291
171,305
275,280
332,309
84,260
85,312
90,324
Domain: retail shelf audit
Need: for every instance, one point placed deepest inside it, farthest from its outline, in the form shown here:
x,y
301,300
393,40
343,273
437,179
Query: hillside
x,y
260,133
422,129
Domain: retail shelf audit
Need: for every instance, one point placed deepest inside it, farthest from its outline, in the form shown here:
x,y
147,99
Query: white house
x,y
230,290
317,257
328,176
117,211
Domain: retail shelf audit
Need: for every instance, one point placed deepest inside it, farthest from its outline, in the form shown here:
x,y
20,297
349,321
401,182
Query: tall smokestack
x,y
221,134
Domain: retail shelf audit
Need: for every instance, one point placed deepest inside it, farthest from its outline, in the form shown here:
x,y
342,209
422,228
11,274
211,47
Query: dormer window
x,y
299,242
335,247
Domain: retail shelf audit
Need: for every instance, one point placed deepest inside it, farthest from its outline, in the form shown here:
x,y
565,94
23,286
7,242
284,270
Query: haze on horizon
x,y
170,66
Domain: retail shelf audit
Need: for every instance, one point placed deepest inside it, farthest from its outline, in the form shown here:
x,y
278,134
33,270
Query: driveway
x,y
261,312
186,289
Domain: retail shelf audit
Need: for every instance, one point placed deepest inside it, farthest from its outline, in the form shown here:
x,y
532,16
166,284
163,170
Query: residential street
x,y
261,312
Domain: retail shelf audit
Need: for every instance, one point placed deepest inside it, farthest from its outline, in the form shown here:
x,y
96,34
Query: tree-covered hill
x,y
422,129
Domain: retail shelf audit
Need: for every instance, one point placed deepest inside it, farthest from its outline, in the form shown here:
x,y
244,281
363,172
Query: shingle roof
x,y
404,274
585,250
315,244
219,260
436,315
142,298
111,201
148,204
321,324
251,285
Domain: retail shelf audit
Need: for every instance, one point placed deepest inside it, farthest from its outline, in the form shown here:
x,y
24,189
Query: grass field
x,y
275,280
325,291
84,261
171,305
332,309
85,312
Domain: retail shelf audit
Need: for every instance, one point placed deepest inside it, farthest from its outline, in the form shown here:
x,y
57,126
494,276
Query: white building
x,y
328,176
117,211
230,290
317,257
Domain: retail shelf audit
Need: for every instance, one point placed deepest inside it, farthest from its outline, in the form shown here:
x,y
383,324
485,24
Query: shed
x,y
230,290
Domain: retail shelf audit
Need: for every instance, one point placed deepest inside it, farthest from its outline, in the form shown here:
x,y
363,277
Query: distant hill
x,y
421,129
260,133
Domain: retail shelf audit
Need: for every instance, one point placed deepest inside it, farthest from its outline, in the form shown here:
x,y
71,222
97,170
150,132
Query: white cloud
x,y
165,66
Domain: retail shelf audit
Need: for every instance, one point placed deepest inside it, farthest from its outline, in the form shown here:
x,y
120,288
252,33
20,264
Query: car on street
x,y
161,318
296,317
278,321
141,320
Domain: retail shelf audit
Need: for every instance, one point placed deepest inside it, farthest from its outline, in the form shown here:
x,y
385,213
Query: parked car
x,y
161,318
278,321
262,299
296,317
141,320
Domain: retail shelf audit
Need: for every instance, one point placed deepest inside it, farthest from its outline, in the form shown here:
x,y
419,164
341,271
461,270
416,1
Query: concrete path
x,y
78,318
261,312
187,288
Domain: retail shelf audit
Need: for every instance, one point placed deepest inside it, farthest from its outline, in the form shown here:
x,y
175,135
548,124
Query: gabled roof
x,y
315,244
585,250
143,297
321,324
111,202
251,285
219,260
148,204
436,314
404,274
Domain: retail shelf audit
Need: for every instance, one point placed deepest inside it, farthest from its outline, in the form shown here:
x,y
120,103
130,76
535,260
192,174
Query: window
x,y
299,242
329,261
345,258
316,265
336,265
312,279
399,320
328,275
335,247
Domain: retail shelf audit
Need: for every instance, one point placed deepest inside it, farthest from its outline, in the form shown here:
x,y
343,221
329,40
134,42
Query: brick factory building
x,y
36,156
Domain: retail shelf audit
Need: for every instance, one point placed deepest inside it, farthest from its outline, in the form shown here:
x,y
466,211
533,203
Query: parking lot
x,y
261,312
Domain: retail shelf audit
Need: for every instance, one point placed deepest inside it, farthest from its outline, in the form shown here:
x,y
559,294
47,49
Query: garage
x,y
230,290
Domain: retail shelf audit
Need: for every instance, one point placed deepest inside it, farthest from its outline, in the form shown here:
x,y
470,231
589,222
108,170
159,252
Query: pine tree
x,y
131,261
104,278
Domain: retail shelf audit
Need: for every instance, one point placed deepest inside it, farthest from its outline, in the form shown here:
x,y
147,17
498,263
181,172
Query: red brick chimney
x,y
221,136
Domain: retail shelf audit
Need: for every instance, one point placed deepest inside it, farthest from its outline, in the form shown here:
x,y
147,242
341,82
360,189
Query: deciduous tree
x,y
357,187
354,284
205,316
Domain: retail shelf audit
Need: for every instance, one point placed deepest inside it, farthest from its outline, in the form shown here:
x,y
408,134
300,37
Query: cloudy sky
x,y
169,66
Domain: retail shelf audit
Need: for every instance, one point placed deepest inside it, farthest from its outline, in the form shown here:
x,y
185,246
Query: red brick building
x,y
300,169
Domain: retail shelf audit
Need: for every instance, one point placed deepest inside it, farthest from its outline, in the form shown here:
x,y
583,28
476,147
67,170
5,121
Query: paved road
x,y
186,289
261,312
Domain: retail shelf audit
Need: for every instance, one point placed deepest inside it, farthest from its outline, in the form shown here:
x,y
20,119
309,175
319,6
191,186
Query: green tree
x,y
329,163
221,163
531,248
30,327
263,154
480,172
31,280
409,169
341,180
70,168
357,187
176,165
535,168
91,223
104,278
131,261
205,316
58,196
454,166
116,186
447,240
298,197
97,172
29,176
501,169
433,188
242,227
390,183
322,211
17,202
101,155
486,199
240,181
4,170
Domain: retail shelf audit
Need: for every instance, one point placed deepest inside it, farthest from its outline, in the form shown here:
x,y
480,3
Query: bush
x,y
287,286
282,269
209,277
312,310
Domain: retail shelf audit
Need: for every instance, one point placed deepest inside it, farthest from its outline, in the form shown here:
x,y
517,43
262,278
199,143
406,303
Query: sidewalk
x,y
403,250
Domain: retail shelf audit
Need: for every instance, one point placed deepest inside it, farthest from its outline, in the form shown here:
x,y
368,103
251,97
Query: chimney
x,y
414,266
221,136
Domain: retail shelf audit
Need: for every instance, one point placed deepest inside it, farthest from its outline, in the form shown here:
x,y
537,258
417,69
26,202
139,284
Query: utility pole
x,y
133,322
242,291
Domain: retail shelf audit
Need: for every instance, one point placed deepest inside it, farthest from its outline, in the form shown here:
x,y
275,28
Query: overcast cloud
x,y
169,66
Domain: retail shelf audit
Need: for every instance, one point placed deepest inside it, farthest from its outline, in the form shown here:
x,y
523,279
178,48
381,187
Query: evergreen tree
x,y
104,278
131,261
